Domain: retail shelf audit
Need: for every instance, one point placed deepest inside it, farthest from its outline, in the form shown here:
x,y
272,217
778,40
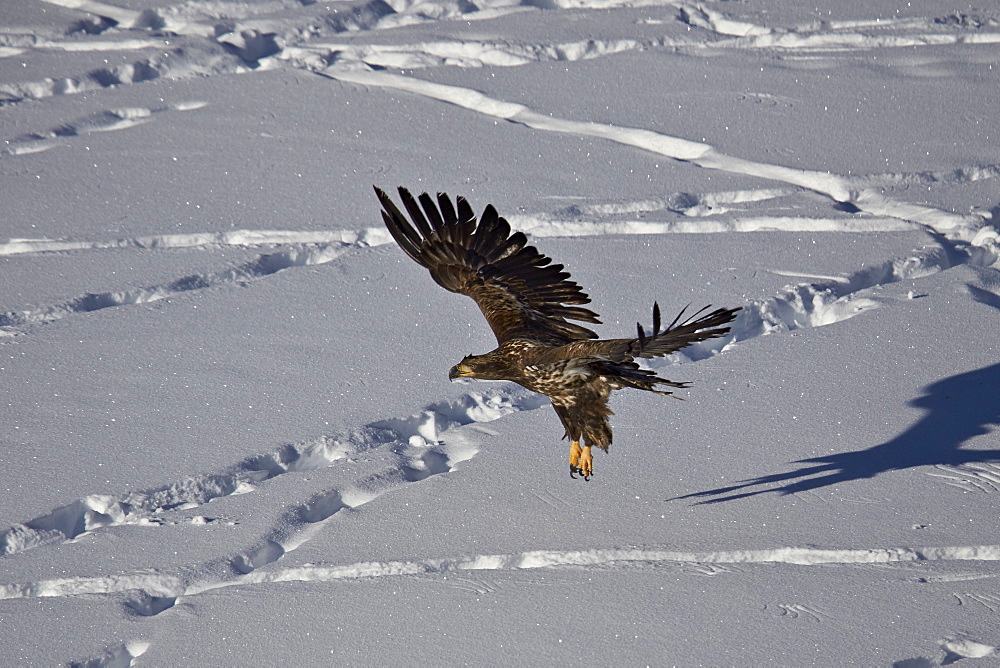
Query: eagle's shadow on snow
x,y
958,408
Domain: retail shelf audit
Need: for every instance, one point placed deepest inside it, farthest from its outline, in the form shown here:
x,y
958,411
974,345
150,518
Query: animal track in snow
x,y
106,121
115,657
146,605
552,500
708,570
972,477
294,42
321,57
214,40
691,205
175,63
799,306
412,448
240,38
372,236
969,228
832,35
798,611
474,586
989,601
825,300
413,451
268,264
119,15
955,649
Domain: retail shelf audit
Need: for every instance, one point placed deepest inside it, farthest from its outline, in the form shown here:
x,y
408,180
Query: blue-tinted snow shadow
x,y
984,296
958,408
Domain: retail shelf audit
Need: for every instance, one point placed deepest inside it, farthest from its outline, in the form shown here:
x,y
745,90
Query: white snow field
x,y
228,436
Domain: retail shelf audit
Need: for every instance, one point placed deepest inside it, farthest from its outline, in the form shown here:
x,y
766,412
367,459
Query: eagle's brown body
x,y
528,303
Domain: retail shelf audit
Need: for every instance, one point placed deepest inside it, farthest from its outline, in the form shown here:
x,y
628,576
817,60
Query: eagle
x,y
530,304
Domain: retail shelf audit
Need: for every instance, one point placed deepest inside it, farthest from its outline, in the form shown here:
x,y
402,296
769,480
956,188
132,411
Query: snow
x,y
228,436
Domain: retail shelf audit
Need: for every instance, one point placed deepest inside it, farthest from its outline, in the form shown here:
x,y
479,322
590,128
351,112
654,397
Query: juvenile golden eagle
x,y
526,301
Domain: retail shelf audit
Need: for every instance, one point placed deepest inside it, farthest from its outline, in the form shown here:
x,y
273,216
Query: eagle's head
x,y
464,369
488,367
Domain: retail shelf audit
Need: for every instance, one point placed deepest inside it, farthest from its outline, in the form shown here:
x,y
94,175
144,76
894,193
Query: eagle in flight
x,y
529,304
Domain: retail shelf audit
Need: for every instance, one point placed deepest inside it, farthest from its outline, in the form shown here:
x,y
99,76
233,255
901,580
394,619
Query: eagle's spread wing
x,y
521,294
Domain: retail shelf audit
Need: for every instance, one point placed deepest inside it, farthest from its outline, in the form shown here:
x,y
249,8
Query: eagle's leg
x,y
580,461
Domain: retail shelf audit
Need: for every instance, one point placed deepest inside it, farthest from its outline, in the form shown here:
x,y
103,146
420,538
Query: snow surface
x,y
227,432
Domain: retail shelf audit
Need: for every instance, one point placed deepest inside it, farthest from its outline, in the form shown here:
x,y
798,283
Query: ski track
x,y
201,38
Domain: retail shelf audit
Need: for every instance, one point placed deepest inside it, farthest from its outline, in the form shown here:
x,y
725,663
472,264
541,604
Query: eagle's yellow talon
x,y
574,455
580,461
586,463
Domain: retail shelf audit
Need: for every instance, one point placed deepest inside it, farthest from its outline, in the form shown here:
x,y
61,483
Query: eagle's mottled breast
x,y
564,380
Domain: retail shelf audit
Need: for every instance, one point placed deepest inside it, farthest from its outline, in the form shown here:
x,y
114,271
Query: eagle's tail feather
x,y
680,333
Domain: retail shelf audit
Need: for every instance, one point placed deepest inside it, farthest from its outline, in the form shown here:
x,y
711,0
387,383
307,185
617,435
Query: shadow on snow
x,y
959,408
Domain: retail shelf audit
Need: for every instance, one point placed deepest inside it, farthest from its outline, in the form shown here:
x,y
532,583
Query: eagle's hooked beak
x,y
460,371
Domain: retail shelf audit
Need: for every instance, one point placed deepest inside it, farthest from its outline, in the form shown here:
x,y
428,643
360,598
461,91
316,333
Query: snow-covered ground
x,y
228,437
